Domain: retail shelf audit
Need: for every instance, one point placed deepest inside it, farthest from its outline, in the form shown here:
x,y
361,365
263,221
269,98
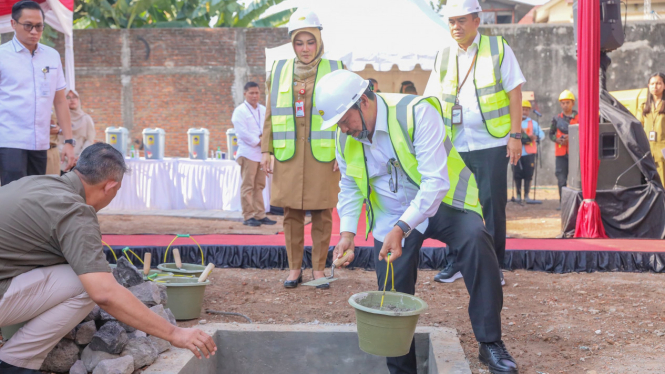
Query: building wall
x,y
181,78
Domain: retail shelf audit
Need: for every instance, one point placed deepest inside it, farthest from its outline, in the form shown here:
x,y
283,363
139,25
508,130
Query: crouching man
x,y
52,269
395,155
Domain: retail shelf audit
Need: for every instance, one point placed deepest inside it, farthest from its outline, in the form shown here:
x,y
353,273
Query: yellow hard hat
x,y
526,104
566,95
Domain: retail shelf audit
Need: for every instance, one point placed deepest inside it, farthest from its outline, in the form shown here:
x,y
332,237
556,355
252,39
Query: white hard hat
x,y
303,18
456,8
336,93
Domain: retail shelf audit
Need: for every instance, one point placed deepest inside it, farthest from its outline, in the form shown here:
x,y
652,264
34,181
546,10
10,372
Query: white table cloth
x,y
178,183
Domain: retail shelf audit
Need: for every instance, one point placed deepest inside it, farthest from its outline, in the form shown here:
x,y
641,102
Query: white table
x,y
180,183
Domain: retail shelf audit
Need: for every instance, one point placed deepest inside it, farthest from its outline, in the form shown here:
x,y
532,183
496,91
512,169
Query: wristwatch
x,y
70,141
405,228
516,135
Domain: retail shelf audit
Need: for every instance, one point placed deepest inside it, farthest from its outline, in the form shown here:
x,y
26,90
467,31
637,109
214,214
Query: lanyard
x,y
459,88
258,121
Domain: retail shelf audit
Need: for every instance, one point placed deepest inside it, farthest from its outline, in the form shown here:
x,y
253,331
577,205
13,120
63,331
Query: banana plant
x,y
177,13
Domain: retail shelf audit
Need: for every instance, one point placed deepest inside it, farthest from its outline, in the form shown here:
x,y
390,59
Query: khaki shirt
x,y
45,221
301,182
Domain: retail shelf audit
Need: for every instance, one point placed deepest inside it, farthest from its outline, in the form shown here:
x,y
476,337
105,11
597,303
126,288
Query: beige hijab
x,y
301,70
77,115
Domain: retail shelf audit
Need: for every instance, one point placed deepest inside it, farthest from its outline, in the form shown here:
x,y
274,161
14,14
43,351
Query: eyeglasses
x,y
28,26
72,98
393,165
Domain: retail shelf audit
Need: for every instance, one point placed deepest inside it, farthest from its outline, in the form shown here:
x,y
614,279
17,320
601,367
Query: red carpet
x,y
610,245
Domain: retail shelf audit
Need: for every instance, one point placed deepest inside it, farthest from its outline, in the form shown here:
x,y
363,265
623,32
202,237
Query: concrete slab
x,y
180,213
282,349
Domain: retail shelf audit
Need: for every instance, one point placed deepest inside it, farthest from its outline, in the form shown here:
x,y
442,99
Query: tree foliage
x,y
176,13
437,5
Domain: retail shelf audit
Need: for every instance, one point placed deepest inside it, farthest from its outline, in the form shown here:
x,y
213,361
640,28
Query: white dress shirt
x,y
472,135
28,83
409,204
248,123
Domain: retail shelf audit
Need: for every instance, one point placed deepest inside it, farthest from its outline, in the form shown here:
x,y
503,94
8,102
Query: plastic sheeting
x,y
274,257
634,212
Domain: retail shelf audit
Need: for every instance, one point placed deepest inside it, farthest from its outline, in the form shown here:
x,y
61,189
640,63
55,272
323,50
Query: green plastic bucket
x,y
187,269
386,332
9,331
159,274
185,296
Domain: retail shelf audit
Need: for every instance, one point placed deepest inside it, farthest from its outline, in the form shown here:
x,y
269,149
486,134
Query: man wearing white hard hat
x,y
478,81
395,156
305,174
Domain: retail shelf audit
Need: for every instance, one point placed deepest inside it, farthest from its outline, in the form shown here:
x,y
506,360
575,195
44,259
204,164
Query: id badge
x,y
44,88
652,136
457,114
300,108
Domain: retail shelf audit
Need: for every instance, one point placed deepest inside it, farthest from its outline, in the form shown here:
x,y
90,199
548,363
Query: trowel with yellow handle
x,y
324,280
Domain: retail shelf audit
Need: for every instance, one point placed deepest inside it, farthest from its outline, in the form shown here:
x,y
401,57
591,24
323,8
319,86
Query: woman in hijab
x,y
83,128
305,176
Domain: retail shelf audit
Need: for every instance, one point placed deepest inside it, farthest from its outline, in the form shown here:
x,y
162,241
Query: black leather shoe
x,y
496,357
267,221
6,368
293,283
252,222
448,275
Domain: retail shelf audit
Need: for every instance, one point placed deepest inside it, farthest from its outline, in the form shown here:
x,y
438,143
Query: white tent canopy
x,y
381,33
60,16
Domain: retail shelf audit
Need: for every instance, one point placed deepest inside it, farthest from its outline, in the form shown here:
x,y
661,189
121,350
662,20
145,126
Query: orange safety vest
x,y
562,150
531,147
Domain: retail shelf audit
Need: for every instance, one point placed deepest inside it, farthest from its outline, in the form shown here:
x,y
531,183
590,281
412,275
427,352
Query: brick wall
x,y
169,78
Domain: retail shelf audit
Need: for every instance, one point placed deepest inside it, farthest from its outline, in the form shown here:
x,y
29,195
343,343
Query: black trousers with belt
x,y
490,167
475,257
18,163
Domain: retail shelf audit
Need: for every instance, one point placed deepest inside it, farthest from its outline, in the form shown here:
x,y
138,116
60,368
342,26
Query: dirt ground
x,y
552,323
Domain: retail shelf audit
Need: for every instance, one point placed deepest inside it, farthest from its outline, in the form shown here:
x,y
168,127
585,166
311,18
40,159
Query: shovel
x,y
176,257
324,280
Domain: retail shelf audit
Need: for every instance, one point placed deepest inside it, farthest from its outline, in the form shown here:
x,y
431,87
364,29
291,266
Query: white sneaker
x,y
503,281
455,277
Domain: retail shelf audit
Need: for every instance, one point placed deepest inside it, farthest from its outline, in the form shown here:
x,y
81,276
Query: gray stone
x,y
93,315
111,338
91,358
122,365
162,294
136,334
78,368
171,318
160,344
70,335
127,274
84,332
164,313
61,357
149,293
142,350
105,316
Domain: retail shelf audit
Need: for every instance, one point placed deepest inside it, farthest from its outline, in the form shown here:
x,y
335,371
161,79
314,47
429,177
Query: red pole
x,y
589,223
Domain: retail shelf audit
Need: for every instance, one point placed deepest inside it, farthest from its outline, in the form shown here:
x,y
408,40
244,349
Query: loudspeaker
x,y
614,160
611,29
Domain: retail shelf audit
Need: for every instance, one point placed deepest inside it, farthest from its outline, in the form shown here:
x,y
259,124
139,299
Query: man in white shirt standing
x,y
248,122
478,81
31,82
395,156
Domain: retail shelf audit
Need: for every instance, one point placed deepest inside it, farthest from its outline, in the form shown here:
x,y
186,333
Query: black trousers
x,y
561,172
18,163
490,167
523,171
465,232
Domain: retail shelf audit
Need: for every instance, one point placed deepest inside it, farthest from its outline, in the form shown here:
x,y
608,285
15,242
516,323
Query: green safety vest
x,y
463,192
282,113
492,98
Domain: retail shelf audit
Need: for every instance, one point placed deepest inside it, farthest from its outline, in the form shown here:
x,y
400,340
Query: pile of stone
x,y
103,345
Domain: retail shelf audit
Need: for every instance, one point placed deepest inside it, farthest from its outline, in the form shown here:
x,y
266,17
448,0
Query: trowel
x,y
324,280
176,257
